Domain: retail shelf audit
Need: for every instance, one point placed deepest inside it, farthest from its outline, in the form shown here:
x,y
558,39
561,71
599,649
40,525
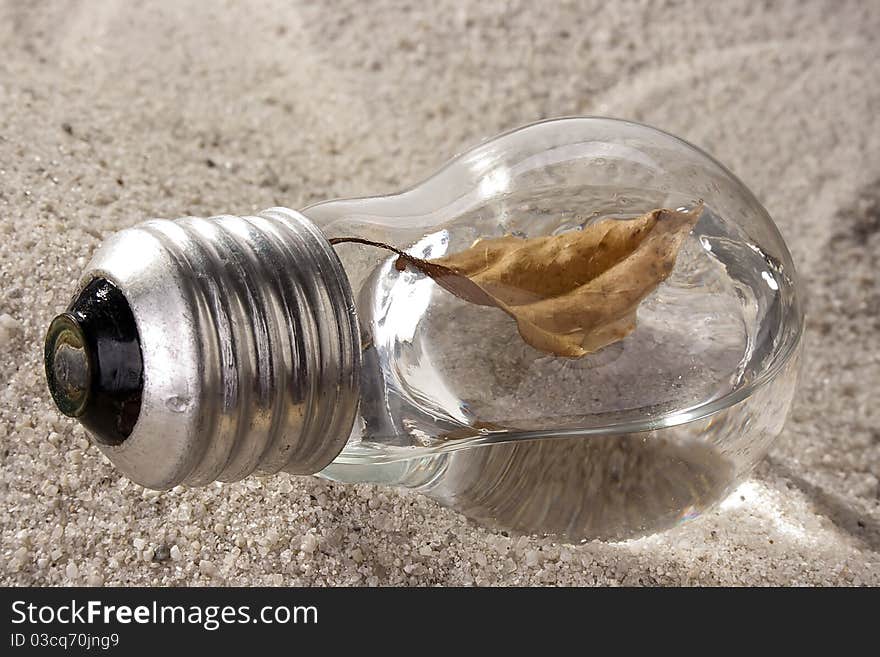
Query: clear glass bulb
x,y
290,358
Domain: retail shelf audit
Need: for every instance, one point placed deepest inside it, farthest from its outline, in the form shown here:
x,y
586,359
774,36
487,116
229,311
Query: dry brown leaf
x,y
570,294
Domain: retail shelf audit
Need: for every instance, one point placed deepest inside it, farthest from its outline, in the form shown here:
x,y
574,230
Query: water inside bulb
x,y
458,406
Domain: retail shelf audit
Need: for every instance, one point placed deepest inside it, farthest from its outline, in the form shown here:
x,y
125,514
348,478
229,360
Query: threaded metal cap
x,y
250,347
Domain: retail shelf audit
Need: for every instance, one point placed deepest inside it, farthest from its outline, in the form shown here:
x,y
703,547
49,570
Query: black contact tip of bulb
x,y
94,365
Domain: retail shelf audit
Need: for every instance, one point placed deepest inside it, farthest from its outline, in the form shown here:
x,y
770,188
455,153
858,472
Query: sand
x,y
112,112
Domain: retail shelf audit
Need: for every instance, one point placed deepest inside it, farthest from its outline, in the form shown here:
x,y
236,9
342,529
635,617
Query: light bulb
x,y
198,350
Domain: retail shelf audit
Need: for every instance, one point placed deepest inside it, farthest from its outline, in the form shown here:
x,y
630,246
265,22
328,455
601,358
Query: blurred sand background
x,y
114,111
